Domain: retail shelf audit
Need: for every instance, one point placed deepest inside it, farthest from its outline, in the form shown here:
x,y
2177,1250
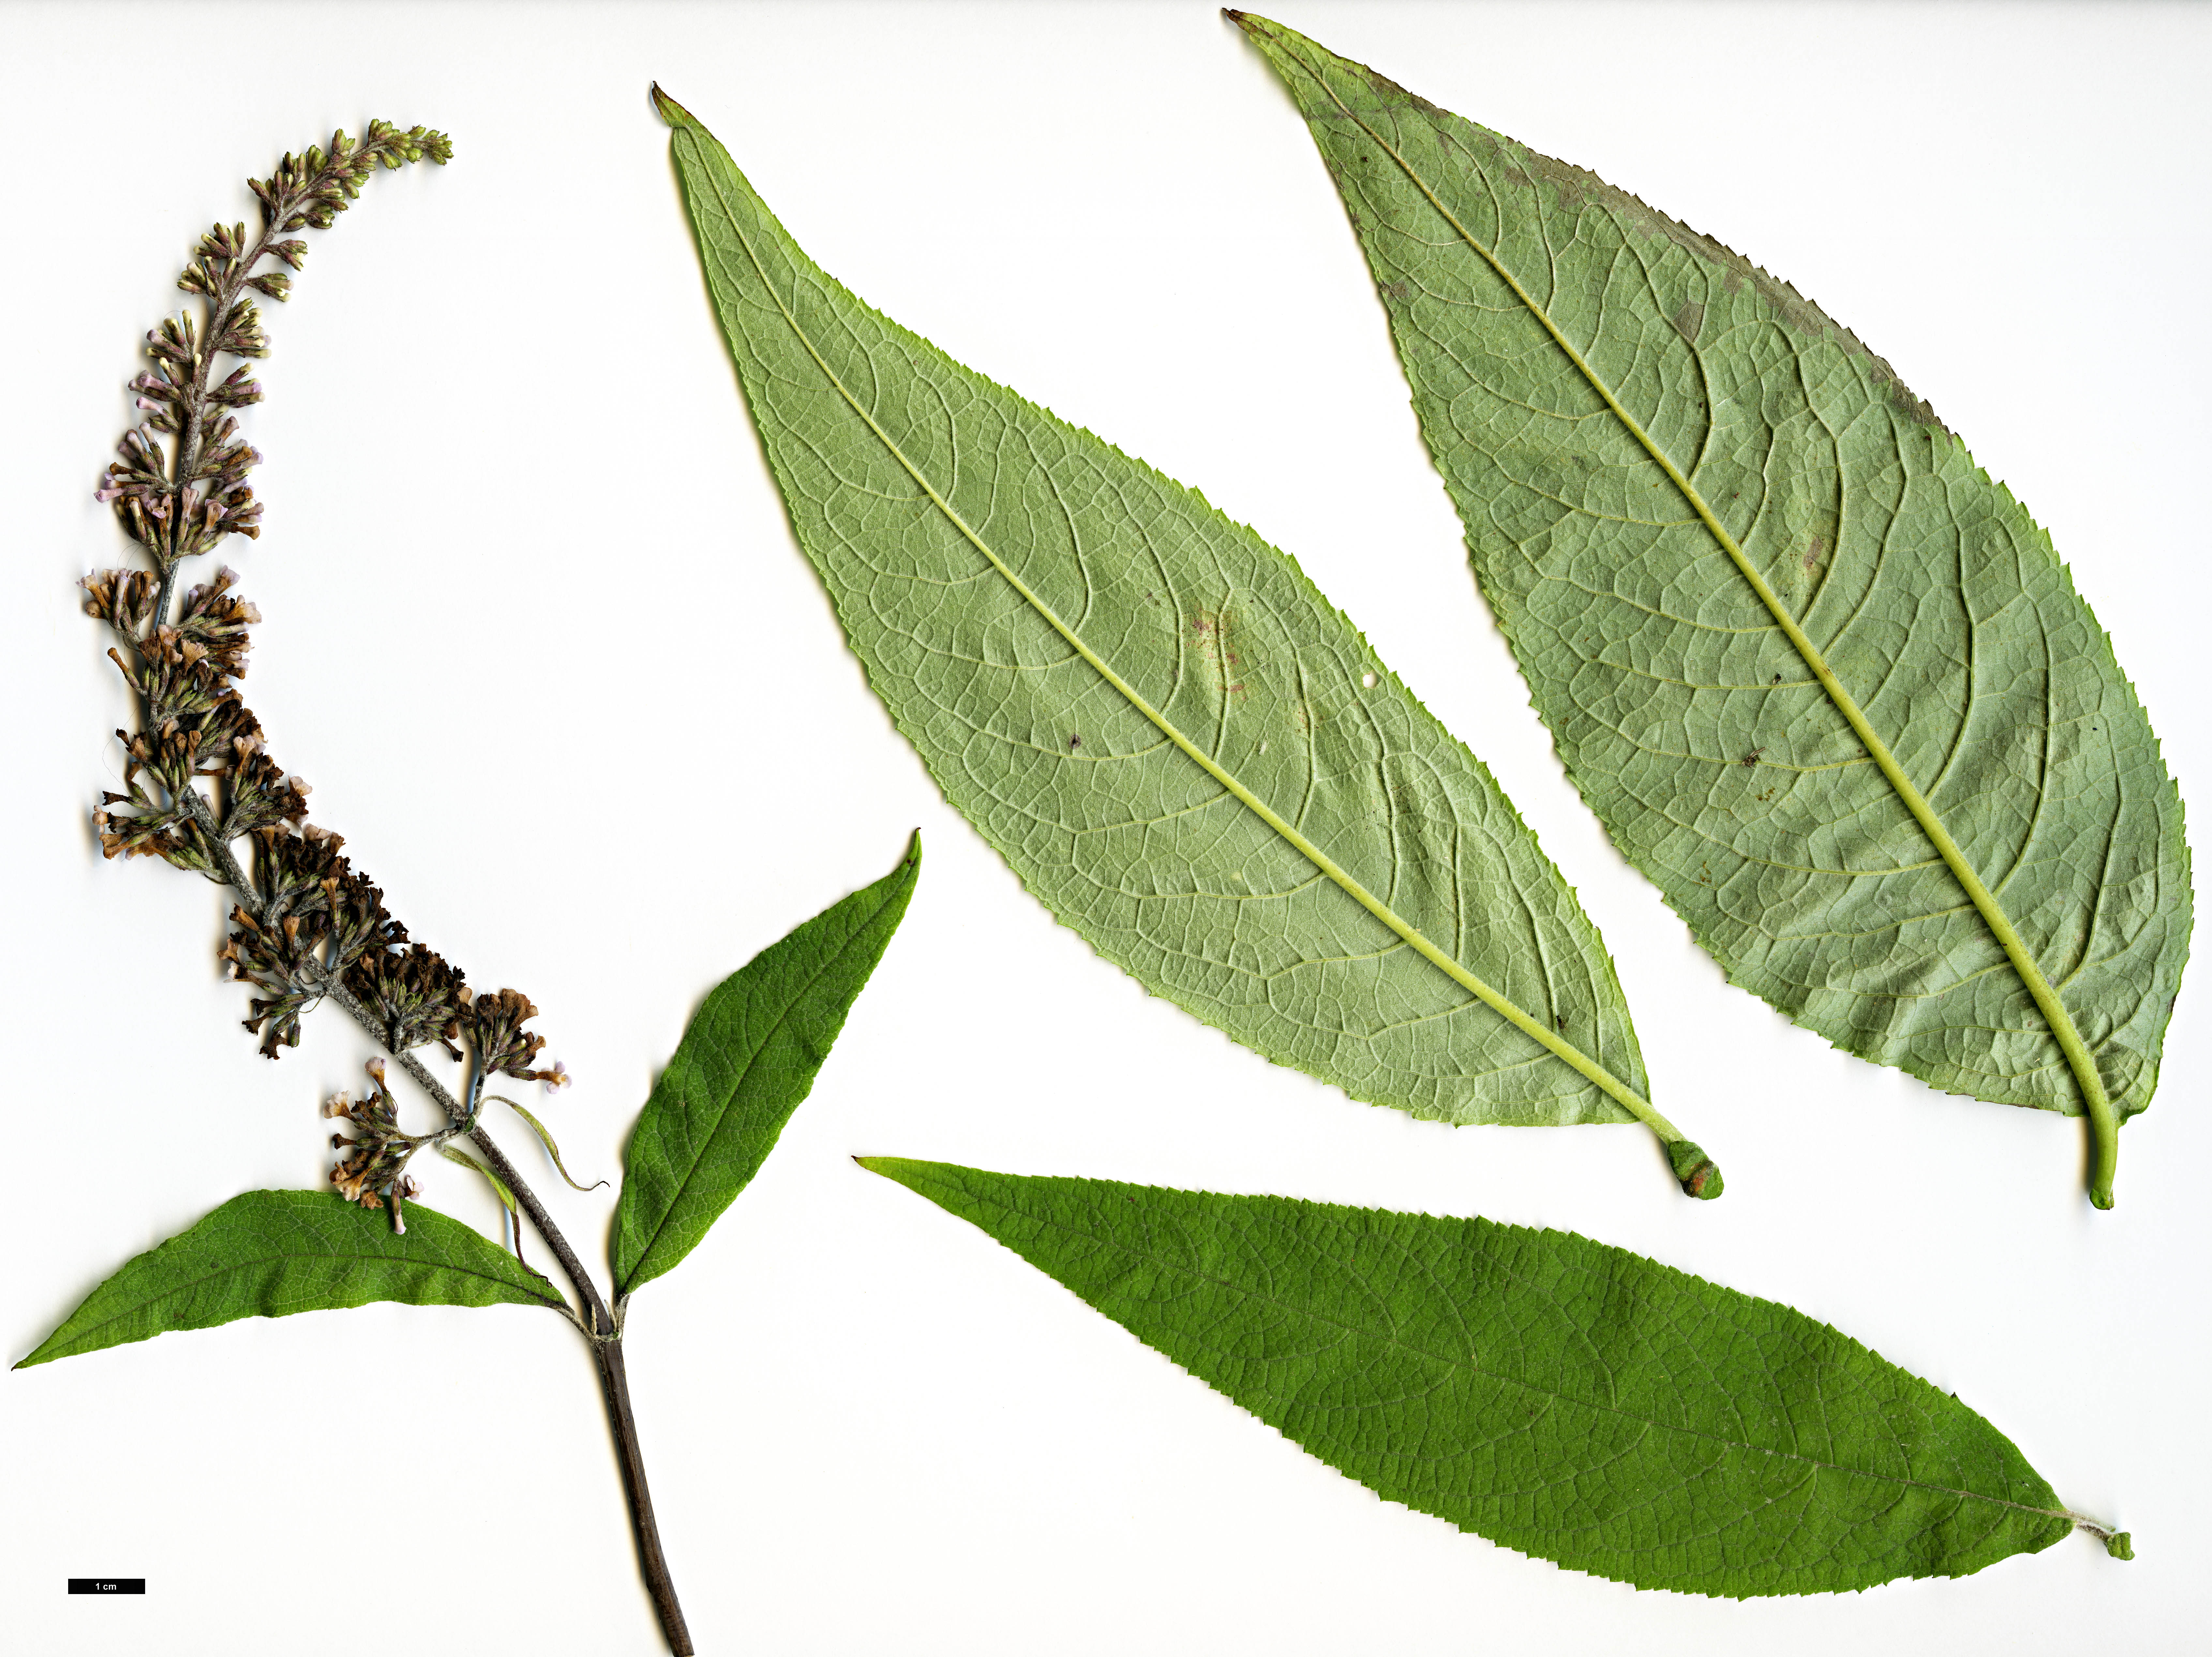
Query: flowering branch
x,y
199,782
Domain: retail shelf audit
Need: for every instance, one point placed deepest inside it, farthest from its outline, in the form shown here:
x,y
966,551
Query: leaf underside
x,y
1571,1400
747,1060
1171,736
271,1253
1611,398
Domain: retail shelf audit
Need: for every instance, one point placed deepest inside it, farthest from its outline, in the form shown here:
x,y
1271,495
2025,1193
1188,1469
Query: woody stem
x,y
600,1324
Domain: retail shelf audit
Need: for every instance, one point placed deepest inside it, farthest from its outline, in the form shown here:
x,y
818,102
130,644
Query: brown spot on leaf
x,y
1689,317
1212,631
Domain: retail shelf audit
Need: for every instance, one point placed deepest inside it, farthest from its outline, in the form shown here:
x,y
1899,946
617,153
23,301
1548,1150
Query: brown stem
x,y
600,1324
614,1382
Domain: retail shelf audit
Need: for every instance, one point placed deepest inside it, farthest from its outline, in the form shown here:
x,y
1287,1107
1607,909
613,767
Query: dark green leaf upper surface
x,y
271,1253
1717,531
747,1060
1574,1401
1174,740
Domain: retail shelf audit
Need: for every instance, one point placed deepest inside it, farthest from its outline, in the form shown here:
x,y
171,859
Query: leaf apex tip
x,y
894,1169
671,112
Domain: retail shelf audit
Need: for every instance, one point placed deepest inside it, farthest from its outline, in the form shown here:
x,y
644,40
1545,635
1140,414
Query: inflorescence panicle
x,y
178,502
200,788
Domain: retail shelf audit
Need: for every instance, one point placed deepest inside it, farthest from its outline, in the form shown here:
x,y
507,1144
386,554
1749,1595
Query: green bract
x,y
1827,683
1177,742
1574,1401
271,1253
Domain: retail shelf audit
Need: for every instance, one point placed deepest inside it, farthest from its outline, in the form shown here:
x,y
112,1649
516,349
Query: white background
x,y
538,635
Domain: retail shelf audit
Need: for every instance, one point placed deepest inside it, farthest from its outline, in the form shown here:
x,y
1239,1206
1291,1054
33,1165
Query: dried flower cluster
x,y
373,1169
178,504
199,780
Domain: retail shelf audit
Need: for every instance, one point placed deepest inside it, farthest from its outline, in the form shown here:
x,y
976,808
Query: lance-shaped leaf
x,y
1572,1400
1827,683
1170,735
747,1060
271,1253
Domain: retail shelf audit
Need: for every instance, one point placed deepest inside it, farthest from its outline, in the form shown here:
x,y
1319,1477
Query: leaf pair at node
x,y
748,1059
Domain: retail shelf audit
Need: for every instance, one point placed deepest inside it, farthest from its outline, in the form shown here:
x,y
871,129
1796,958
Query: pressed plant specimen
x,y
202,791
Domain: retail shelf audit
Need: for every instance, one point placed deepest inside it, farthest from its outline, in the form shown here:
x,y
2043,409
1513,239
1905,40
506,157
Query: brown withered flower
x,y
415,996
372,1172
199,782
203,789
493,1025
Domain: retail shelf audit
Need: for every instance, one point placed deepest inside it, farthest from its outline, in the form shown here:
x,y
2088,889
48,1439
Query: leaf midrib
x,y
1294,1310
1582,1063
2097,1104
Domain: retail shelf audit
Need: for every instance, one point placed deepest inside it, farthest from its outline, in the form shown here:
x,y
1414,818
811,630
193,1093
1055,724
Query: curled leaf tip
x,y
2120,1545
671,112
1700,1175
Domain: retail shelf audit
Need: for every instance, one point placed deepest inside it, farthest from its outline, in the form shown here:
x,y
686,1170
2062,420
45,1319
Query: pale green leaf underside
x,y
1120,687
271,1253
747,1060
1574,1401
1694,723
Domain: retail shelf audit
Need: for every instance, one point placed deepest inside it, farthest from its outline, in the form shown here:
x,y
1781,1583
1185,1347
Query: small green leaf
x,y
271,1253
545,1139
746,1062
1173,739
1575,1401
498,1186
1827,682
